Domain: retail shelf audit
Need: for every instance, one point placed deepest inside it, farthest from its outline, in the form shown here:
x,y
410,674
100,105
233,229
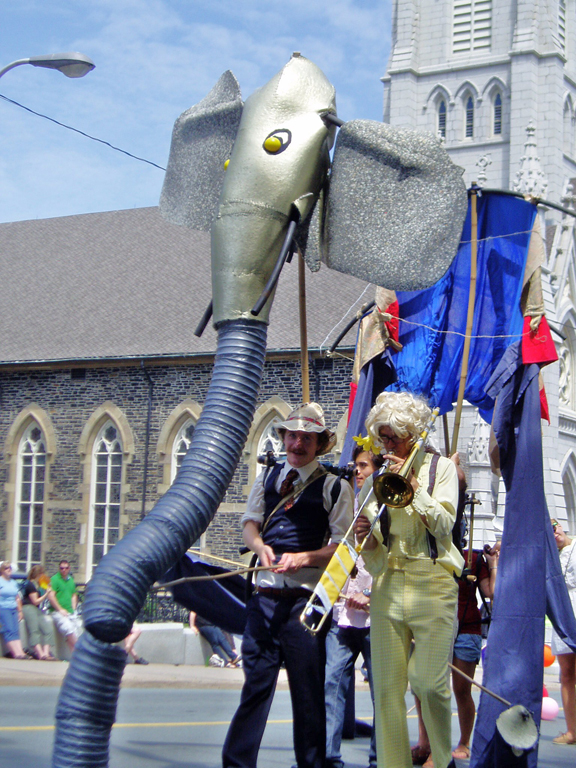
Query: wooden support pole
x,y
470,316
446,431
303,330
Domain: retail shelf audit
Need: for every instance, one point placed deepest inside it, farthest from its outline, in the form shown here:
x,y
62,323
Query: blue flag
x,y
433,321
375,376
514,661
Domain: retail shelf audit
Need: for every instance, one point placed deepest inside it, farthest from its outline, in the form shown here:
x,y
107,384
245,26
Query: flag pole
x,y
446,431
470,317
303,330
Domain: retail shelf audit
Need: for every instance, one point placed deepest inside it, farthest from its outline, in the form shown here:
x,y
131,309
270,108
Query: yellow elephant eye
x,y
226,164
277,141
272,144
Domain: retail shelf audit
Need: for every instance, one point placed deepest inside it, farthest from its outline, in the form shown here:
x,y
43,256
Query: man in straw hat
x,y
295,517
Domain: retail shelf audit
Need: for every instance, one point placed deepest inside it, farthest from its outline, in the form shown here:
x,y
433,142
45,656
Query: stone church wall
x,y
67,404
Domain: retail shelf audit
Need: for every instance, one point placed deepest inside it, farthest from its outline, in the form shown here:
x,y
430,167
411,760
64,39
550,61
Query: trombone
x,y
392,489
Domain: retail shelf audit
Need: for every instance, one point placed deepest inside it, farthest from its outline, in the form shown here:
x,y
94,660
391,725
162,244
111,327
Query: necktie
x,y
288,486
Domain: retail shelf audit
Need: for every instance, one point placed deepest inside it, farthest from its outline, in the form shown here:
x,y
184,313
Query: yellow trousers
x,y
412,599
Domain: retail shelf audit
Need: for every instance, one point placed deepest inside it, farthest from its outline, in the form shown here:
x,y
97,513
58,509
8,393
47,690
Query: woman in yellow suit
x,y
414,594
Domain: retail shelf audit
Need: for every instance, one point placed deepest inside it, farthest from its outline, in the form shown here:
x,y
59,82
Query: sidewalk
x,y
51,673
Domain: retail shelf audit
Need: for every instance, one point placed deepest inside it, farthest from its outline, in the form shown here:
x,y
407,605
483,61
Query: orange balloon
x,y
549,657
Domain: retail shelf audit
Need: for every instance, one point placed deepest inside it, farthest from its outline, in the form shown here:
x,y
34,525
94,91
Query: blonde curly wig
x,y
404,413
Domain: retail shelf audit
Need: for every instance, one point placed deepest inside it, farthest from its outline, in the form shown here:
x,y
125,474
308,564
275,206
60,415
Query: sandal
x,y
564,740
461,752
420,754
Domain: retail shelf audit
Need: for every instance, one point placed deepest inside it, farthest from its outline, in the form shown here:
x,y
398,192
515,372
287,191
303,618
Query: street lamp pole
x,y
70,64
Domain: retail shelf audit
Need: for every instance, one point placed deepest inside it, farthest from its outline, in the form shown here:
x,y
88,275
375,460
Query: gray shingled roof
x,y
129,284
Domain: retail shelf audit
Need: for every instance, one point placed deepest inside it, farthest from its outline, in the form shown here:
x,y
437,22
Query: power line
x,y
87,135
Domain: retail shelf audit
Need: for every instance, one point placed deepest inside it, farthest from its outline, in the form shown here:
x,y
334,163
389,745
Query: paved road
x,y
176,717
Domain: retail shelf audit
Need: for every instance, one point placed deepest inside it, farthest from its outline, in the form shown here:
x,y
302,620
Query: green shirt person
x,y
63,604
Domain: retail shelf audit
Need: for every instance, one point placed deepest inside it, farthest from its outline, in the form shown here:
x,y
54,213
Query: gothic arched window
x,y
568,128
569,487
105,493
469,118
269,441
497,115
442,119
181,444
31,479
179,450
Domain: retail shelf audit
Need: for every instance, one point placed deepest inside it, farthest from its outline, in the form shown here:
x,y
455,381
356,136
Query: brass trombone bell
x,y
393,489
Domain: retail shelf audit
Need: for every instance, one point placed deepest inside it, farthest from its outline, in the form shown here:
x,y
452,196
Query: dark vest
x,y
303,527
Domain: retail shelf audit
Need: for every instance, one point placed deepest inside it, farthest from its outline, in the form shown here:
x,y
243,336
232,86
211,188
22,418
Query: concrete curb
x,y
51,673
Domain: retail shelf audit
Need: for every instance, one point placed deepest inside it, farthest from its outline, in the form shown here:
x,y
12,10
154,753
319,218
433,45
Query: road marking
x,y
192,724
196,723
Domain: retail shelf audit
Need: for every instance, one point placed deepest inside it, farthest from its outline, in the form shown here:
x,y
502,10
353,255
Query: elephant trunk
x,y
87,702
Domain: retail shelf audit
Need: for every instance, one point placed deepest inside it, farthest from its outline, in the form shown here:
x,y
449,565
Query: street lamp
x,y
70,64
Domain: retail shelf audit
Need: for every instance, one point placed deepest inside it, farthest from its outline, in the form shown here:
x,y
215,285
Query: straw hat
x,y
309,417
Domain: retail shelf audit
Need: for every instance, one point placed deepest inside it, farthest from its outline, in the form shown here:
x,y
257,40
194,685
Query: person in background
x,y
10,612
38,626
129,642
349,636
222,652
565,655
414,596
63,600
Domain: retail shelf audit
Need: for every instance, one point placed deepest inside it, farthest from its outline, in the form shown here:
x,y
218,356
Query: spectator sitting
x,y
63,604
34,593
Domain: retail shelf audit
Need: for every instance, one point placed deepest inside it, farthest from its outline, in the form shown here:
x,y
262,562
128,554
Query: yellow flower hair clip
x,y
366,443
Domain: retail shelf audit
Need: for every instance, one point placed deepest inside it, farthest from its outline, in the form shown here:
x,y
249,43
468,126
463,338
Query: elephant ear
x,y
202,141
394,210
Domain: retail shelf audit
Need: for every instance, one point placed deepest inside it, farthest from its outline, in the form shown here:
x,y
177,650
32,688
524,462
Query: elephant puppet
x,y
389,209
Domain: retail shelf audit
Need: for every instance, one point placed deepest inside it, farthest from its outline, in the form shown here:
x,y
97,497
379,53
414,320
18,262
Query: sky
x,y
154,59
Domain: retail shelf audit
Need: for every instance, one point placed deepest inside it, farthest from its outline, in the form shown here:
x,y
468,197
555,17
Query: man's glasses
x,y
391,439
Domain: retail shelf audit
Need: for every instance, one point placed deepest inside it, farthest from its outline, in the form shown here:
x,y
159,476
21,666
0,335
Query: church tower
x,y
496,80
478,73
